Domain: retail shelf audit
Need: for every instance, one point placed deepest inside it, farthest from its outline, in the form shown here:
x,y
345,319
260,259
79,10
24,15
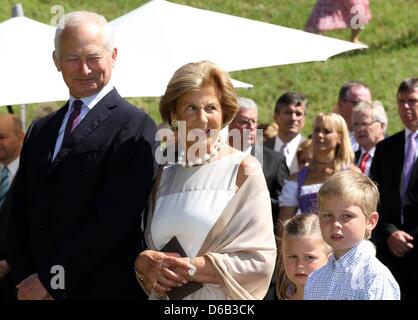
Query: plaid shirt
x,y
357,275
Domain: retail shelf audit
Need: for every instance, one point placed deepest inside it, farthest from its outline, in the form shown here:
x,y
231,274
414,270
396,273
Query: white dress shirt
x,y
12,166
289,151
369,161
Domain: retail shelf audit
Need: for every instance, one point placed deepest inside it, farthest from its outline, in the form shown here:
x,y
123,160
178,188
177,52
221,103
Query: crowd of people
x,y
225,211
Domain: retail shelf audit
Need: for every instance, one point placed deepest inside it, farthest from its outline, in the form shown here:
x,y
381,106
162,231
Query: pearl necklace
x,y
199,161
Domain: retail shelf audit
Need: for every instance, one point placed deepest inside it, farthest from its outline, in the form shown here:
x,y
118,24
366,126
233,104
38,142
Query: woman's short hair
x,y
195,76
344,155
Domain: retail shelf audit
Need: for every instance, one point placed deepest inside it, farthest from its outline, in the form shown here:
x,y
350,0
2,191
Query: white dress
x,y
188,203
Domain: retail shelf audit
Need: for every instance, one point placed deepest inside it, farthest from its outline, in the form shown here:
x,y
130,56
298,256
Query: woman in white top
x,y
332,152
213,201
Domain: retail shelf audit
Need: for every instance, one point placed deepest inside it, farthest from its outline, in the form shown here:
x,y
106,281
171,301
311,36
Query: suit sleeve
x,y
130,173
18,245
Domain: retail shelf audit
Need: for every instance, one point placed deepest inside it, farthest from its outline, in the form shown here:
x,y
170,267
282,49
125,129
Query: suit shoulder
x,y
269,143
391,141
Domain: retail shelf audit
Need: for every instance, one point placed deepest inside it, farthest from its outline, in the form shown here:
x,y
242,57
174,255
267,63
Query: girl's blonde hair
x,y
344,155
298,226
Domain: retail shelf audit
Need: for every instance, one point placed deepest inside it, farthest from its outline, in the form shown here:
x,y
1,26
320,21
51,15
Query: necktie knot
x,y
77,105
283,148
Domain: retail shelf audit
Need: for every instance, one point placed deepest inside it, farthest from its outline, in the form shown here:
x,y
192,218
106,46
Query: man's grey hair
x,y
378,111
246,103
76,18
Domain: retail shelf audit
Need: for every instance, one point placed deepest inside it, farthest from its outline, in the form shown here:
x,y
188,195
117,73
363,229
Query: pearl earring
x,y
174,123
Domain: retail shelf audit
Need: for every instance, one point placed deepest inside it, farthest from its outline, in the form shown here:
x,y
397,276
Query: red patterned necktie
x,y
364,158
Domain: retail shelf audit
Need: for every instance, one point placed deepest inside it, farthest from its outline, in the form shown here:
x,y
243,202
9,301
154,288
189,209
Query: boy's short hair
x,y
352,187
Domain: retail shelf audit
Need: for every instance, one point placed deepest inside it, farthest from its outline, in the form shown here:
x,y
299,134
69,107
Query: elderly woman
x,y
213,204
332,152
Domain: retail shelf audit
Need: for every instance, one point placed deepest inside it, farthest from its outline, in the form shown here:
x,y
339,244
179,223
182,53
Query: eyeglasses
x,y
363,124
352,101
410,102
246,122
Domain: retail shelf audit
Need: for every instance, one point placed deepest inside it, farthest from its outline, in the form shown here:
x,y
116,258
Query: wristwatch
x,y
192,270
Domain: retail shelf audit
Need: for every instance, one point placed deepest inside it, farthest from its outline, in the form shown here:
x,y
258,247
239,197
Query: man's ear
x,y
372,221
276,117
56,61
114,56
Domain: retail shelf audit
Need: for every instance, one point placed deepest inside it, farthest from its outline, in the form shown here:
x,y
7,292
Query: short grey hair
x,y
377,109
246,103
77,18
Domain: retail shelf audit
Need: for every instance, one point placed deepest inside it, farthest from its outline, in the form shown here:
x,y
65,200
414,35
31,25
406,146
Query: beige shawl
x,y
241,244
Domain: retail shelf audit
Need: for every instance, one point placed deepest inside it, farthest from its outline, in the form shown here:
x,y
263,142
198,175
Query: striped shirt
x,y
357,275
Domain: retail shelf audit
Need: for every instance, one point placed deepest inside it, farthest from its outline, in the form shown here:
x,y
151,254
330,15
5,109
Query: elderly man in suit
x,y
395,170
85,174
289,114
274,164
369,124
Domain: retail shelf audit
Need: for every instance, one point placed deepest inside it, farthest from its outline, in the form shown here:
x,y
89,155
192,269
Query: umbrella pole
x,y
23,116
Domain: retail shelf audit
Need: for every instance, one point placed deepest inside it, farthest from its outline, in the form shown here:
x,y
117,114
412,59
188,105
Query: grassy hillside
x,y
392,55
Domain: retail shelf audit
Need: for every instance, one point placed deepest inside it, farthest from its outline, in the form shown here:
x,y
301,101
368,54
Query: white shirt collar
x,y
371,151
408,132
13,166
92,100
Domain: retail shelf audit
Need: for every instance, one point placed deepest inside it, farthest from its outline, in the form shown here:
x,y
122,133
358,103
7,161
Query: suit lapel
x,y
398,157
94,118
51,130
357,156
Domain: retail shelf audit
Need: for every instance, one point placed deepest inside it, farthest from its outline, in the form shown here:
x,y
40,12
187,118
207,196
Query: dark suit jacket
x,y
82,210
386,171
5,210
7,288
275,171
357,156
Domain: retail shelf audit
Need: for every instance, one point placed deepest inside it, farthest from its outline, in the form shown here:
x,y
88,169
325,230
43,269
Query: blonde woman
x,y
332,152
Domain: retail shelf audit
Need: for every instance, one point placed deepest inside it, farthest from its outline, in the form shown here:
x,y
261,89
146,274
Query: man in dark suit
x,y
395,170
11,140
85,174
244,138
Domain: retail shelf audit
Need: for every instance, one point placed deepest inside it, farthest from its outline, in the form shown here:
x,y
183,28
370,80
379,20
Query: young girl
x,y
302,251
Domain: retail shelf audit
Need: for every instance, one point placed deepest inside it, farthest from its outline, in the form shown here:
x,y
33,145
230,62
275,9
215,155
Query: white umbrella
x,y
160,36
27,71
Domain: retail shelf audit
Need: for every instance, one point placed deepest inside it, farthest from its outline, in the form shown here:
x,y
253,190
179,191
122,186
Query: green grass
x,y
392,55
